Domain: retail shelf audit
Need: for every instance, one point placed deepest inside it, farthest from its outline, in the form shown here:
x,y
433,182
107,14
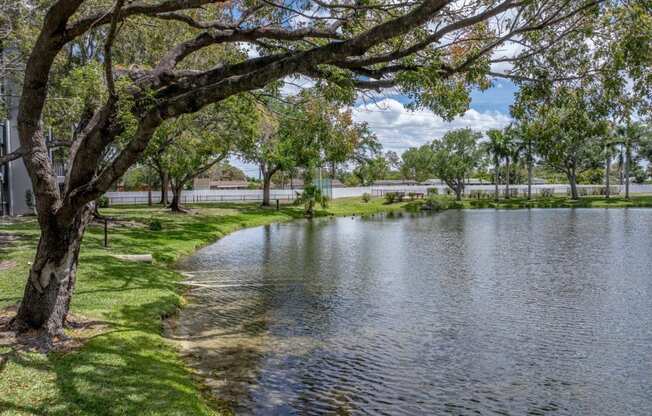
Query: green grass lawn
x,y
130,368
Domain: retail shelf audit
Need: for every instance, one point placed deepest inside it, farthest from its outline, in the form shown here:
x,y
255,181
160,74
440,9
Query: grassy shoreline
x,y
130,368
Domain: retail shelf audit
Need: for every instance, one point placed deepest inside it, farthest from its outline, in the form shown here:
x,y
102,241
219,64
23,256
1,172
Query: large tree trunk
x,y
165,182
572,180
458,190
267,184
51,282
175,205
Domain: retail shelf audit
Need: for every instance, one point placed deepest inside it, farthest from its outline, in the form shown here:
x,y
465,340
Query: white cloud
x,y
293,85
507,50
399,129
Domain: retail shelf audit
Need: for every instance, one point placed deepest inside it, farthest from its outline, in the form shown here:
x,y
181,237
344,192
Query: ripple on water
x,y
533,312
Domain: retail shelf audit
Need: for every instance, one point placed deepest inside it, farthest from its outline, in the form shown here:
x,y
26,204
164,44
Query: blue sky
x,y
399,129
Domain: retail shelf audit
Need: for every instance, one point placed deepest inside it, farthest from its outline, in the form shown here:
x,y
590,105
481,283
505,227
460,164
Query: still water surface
x,y
540,312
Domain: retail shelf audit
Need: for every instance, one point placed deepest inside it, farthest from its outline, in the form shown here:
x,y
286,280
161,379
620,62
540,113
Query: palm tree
x,y
608,150
608,144
524,137
495,147
311,196
629,137
511,153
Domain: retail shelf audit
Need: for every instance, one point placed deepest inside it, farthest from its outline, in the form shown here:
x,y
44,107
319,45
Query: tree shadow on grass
x,y
122,373
128,370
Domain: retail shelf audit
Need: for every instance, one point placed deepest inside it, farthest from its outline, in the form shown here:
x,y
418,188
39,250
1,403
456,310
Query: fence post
x,y
106,232
278,205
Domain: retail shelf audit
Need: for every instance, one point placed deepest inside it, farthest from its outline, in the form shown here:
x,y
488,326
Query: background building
x,y
15,183
14,180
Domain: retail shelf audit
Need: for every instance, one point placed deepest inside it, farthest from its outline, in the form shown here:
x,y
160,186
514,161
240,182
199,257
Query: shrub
x,y
310,197
455,205
547,192
103,202
482,203
412,195
390,197
155,225
432,191
434,203
399,196
366,197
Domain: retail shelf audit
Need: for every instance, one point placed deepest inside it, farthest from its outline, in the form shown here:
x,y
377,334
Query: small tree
x,y
310,197
568,129
495,149
454,158
371,170
417,163
195,143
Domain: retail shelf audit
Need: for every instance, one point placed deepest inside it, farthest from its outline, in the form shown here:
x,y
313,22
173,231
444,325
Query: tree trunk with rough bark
x,y
459,188
175,205
267,184
165,182
51,281
572,180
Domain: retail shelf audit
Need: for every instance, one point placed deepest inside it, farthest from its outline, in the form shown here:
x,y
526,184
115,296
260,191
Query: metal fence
x,y
285,195
135,198
515,190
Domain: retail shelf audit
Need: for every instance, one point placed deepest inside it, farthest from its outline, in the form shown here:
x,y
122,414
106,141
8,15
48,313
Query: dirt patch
x,y
79,330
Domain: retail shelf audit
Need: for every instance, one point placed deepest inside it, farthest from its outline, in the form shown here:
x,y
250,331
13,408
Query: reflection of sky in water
x,y
541,311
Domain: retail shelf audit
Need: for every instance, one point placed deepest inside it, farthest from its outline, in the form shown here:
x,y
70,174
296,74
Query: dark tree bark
x,y
572,180
165,184
458,187
51,281
175,205
267,172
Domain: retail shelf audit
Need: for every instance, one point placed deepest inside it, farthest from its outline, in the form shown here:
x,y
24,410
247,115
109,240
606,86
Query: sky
x,y
398,128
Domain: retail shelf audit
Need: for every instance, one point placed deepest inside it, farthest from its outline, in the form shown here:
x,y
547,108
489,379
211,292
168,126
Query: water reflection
x,y
462,312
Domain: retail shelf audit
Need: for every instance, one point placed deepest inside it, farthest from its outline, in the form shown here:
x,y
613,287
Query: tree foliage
x,y
455,156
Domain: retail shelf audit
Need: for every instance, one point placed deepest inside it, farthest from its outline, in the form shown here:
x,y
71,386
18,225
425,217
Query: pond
x,y
541,312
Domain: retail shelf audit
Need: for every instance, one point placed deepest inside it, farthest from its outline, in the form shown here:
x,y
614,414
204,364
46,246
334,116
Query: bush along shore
x,y
121,364
439,203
